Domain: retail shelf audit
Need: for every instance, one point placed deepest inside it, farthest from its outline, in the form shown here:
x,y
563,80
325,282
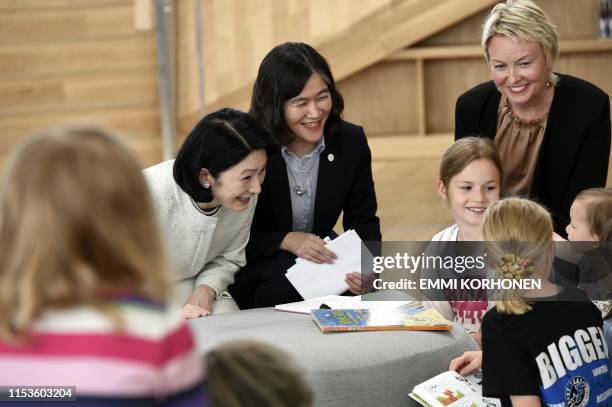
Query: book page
x,y
452,389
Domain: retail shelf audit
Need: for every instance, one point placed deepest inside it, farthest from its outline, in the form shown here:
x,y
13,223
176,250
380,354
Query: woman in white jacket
x,y
205,201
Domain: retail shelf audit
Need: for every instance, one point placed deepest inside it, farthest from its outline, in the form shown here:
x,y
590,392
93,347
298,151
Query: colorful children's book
x,y
402,319
450,389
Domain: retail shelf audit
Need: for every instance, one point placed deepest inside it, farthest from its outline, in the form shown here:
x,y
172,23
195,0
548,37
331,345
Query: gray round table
x,y
374,368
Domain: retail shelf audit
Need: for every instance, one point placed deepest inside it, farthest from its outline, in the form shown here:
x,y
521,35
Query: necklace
x,y
207,212
212,211
299,189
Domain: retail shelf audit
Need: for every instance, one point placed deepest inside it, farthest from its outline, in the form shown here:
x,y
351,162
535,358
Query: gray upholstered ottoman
x,y
345,369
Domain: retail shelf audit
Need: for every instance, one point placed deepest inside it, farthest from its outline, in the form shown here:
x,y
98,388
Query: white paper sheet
x,y
314,280
340,302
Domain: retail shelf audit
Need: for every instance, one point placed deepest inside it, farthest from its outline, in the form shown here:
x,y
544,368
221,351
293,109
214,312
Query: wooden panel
x,y
147,150
590,67
187,74
585,46
238,33
135,121
574,20
386,148
55,4
77,61
445,81
65,24
408,205
77,57
80,91
381,98
365,42
467,31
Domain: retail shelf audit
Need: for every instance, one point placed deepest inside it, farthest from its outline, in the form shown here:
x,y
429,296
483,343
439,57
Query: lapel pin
x,y
330,157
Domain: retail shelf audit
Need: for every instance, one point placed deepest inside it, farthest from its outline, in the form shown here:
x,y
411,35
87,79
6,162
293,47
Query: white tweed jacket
x,y
205,249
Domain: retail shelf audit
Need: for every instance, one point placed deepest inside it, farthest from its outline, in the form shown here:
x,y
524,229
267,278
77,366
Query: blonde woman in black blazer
x,y
520,45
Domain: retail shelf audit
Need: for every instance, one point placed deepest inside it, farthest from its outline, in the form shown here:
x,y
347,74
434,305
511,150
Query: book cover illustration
x,y
411,318
450,389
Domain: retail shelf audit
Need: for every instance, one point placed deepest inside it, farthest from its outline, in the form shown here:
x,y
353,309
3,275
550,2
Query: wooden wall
x,y
384,97
77,61
83,60
237,34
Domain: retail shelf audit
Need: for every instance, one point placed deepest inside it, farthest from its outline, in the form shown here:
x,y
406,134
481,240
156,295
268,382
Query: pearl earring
x,y
548,83
206,185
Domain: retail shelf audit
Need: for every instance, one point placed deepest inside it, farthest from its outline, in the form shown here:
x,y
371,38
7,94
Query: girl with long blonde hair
x,y
83,276
542,346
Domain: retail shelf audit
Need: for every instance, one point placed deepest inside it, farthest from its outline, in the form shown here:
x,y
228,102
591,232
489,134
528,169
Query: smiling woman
x,y
552,130
205,201
322,169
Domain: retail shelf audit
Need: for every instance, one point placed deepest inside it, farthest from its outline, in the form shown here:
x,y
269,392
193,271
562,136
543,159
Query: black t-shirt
x,y
556,351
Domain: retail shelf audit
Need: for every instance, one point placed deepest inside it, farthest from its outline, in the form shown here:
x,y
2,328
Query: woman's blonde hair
x,y
598,211
517,233
522,20
463,151
76,224
250,373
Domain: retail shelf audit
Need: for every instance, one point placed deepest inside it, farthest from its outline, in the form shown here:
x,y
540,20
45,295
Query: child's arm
x,y
525,401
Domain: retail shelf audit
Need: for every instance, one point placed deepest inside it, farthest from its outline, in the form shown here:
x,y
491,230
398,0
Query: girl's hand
x,y
467,363
308,246
199,303
353,279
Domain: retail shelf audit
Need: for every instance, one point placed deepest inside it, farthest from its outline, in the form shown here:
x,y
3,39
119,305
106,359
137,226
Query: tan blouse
x,y
518,143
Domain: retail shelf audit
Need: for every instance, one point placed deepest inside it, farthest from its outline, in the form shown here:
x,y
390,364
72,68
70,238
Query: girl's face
x,y
519,70
578,229
234,187
470,192
307,113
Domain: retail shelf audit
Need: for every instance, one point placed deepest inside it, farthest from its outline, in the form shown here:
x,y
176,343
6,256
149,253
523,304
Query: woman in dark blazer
x,y
564,121
323,169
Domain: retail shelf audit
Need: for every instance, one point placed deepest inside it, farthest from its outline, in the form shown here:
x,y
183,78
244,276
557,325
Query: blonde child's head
x,y
76,224
518,235
246,373
591,216
470,179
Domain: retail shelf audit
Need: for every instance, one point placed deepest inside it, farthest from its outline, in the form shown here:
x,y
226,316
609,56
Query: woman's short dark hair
x,y
282,76
218,142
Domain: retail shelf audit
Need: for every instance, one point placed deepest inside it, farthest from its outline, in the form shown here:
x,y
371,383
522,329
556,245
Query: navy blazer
x,y
576,148
344,184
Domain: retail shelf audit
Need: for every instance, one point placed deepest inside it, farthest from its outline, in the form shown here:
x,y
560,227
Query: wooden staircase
x,y
393,27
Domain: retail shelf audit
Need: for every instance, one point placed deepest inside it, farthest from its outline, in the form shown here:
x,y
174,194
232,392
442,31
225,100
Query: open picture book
x,y
450,389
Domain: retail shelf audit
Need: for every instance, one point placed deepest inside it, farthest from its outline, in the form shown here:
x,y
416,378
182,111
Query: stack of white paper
x,y
313,280
341,302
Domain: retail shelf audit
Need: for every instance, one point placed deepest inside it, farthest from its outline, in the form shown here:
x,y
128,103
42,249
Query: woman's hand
x,y
353,279
199,303
467,363
308,246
